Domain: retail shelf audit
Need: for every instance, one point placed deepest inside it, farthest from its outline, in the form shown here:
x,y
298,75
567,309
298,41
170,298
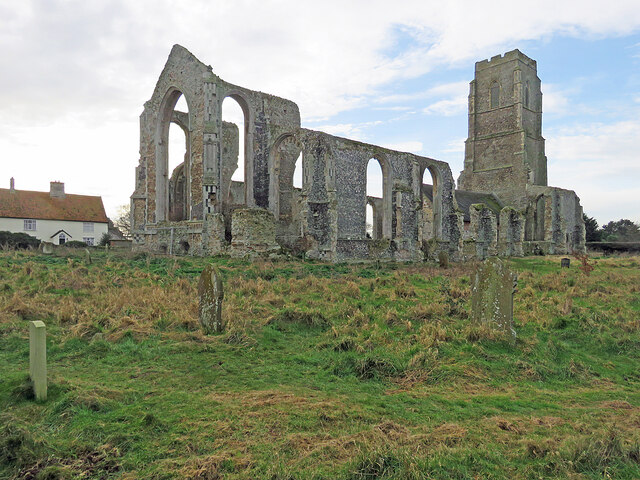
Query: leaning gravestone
x,y
38,359
47,248
211,295
492,296
87,256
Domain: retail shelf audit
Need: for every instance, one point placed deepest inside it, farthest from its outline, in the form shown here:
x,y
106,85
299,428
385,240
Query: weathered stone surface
x,y
484,230
253,233
211,295
443,259
492,296
214,233
47,248
38,359
511,233
87,256
565,263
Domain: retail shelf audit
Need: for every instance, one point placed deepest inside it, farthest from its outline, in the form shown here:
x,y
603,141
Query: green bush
x,y
18,240
104,240
75,244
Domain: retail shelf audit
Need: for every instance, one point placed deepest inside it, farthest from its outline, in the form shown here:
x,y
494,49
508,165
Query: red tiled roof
x,y
41,206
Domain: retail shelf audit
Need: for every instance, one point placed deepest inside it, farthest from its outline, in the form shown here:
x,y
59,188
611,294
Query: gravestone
x,y
443,259
565,263
47,248
211,295
87,256
492,296
38,359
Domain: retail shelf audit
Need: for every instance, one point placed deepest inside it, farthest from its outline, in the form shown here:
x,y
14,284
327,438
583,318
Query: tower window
x,y
495,95
526,95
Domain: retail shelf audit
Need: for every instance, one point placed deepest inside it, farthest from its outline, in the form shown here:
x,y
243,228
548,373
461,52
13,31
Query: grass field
x,y
324,371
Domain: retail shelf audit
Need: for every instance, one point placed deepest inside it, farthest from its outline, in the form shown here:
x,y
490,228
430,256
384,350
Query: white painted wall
x,y
46,228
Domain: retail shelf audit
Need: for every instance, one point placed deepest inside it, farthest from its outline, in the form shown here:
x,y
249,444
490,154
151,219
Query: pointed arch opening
x,y
286,178
173,159
376,199
178,156
235,124
431,205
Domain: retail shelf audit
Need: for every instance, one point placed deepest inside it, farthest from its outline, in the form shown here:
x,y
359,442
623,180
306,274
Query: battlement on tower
x,y
497,60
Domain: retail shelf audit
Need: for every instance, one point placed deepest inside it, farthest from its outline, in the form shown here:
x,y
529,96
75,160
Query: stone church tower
x,y
504,153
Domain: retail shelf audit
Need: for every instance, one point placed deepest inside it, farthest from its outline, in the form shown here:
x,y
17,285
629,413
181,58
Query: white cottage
x,y
53,216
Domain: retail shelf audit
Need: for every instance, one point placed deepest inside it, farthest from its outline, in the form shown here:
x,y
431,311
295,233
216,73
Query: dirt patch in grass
x,y
618,405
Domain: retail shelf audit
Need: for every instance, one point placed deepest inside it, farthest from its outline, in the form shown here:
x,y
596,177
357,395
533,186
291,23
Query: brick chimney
x,y
56,190
12,185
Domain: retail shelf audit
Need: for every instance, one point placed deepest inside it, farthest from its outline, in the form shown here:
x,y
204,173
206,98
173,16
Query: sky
x,y
75,75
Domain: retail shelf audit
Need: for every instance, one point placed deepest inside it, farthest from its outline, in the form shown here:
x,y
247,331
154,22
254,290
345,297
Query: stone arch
x,y
437,207
164,119
283,157
448,226
385,208
247,161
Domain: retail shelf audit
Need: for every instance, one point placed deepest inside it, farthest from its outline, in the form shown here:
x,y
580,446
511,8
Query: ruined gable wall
x,y
182,72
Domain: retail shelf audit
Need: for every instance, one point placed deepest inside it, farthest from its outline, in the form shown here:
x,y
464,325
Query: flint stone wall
x,y
327,216
253,233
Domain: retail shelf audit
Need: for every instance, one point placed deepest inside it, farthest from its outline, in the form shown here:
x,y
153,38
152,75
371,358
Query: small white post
x,y
38,359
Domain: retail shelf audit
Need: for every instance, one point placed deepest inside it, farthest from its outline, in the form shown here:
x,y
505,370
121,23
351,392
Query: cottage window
x,y
88,240
29,225
62,239
87,227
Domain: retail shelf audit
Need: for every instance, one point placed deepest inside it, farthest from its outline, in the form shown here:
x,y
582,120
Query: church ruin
x,y
503,205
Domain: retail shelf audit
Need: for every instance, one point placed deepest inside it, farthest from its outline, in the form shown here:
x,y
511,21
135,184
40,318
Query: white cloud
x,y
408,146
455,146
395,109
450,107
555,99
452,98
452,89
348,130
600,162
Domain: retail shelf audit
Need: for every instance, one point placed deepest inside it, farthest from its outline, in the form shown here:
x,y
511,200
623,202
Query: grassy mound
x,y
325,371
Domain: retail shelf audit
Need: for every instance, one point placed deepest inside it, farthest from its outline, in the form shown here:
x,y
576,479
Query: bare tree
x,y
123,220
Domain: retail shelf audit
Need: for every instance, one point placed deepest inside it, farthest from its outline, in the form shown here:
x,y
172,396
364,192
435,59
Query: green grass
x,y
324,371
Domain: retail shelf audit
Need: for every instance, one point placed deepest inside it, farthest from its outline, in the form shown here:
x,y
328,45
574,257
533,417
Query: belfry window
x,y
526,95
495,95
